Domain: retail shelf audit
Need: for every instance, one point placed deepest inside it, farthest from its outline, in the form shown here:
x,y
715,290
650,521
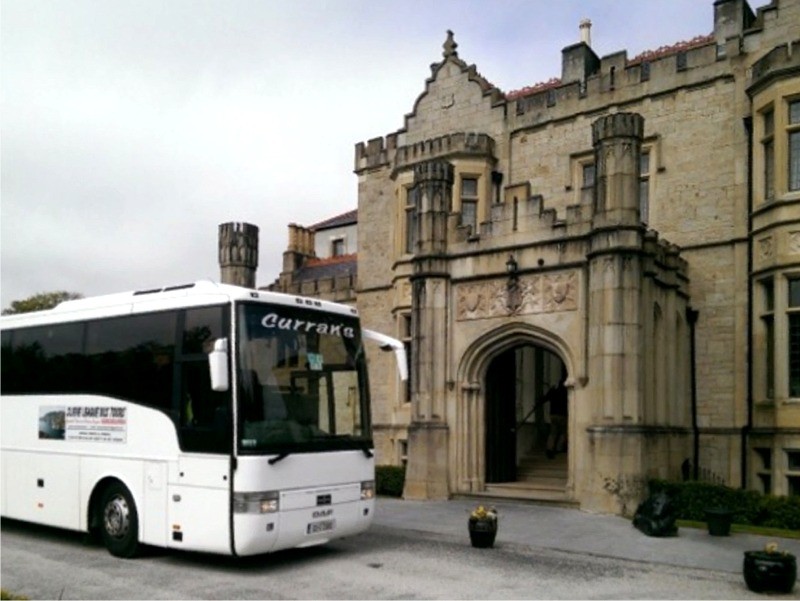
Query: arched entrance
x,y
525,423
501,426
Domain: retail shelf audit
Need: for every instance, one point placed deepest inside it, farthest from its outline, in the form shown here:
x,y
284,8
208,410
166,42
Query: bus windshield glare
x,y
302,381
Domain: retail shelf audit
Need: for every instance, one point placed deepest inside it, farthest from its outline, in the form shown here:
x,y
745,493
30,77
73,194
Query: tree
x,y
40,302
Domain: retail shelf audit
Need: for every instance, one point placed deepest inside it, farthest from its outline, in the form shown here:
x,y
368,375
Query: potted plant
x,y
482,526
770,570
718,520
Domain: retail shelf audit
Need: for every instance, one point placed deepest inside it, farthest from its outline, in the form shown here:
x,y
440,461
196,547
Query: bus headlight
x,y
367,490
255,502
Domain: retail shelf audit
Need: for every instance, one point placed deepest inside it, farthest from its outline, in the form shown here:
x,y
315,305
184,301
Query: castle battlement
x,y
464,144
784,57
377,152
589,82
340,289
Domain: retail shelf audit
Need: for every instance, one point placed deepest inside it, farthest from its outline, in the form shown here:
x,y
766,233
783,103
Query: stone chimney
x,y
579,62
300,249
586,32
238,254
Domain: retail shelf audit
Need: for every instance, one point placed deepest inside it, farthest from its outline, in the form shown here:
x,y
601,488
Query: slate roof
x,y
318,269
348,218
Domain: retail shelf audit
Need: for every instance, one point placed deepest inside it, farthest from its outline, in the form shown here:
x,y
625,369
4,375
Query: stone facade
x,y
320,260
633,226
612,223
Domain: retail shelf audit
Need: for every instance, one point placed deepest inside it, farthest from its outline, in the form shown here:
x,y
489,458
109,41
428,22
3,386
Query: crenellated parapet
x,y
662,261
382,152
461,144
617,125
779,62
590,80
377,152
340,289
238,253
238,245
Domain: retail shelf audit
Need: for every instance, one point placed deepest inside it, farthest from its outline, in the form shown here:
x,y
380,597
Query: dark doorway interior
x,y
501,438
518,420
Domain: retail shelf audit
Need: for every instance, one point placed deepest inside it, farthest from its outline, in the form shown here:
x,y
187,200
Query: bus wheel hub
x,y
116,517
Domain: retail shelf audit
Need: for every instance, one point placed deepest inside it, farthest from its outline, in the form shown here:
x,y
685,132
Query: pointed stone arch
x,y
470,414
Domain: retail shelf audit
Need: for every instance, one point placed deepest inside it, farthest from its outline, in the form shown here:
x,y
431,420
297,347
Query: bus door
x,y
200,486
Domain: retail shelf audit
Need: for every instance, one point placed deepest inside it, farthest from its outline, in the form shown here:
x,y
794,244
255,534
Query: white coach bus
x,y
206,417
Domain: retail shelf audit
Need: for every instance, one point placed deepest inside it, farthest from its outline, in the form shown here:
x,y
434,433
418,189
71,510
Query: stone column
x,y
615,269
426,474
238,254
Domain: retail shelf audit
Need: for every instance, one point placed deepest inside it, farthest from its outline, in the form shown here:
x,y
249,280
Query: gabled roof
x,y
348,218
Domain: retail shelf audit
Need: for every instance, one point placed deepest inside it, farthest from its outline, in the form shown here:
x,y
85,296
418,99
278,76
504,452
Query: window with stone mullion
x,y
412,216
768,146
469,203
794,145
794,337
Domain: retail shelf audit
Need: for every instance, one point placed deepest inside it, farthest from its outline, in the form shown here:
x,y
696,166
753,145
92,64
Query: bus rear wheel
x,y
119,522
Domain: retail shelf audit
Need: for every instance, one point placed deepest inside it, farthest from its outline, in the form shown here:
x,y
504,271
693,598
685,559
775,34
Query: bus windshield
x,y
302,381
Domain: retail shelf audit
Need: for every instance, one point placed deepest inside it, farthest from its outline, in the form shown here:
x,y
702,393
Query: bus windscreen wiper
x,y
277,458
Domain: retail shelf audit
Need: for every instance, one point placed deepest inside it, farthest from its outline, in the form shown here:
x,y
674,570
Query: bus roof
x,y
169,297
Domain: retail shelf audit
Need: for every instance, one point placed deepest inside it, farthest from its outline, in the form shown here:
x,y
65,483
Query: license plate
x,y
323,526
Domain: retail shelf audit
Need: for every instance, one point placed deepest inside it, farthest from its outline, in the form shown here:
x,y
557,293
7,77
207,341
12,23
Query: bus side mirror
x,y
387,343
218,365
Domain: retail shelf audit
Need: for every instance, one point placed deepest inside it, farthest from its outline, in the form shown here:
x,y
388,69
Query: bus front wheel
x,y
119,522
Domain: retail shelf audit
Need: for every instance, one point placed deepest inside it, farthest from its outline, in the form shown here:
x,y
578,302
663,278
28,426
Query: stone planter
x,y
769,571
719,521
482,533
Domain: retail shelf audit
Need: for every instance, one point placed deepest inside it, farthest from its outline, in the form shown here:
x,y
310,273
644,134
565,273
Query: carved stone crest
x,y
525,295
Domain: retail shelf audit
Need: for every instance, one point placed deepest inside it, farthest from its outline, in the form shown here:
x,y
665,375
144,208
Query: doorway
x,y
517,412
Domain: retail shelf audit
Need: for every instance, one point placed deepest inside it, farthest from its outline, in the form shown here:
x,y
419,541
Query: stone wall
x,y
691,253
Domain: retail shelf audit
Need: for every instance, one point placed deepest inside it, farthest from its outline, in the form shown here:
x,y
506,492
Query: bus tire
x,y
119,521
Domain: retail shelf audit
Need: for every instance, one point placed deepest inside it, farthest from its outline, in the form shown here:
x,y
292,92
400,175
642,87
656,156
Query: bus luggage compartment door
x,y
45,488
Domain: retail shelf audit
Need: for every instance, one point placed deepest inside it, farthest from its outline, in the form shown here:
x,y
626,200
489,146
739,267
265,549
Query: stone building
x,y
633,226
321,260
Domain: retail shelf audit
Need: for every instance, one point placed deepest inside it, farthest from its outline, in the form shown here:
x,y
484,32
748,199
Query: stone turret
x,y
617,141
615,261
426,477
238,254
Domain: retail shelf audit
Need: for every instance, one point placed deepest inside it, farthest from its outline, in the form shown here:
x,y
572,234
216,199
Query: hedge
x,y
691,499
389,480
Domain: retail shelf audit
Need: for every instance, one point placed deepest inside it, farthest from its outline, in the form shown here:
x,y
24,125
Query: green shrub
x,y
691,499
389,480
779,512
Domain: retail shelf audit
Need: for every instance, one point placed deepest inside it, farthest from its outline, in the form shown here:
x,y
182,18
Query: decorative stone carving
x,y
765,248
794,243
547,293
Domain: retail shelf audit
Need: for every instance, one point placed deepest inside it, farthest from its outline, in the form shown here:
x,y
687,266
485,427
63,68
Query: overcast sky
x,y
130,129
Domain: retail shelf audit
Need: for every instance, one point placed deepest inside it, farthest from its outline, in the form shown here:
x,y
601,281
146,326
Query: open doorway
x,y
525,428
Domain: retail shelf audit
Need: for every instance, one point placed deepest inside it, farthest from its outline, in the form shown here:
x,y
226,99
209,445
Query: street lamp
x,y
511,266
